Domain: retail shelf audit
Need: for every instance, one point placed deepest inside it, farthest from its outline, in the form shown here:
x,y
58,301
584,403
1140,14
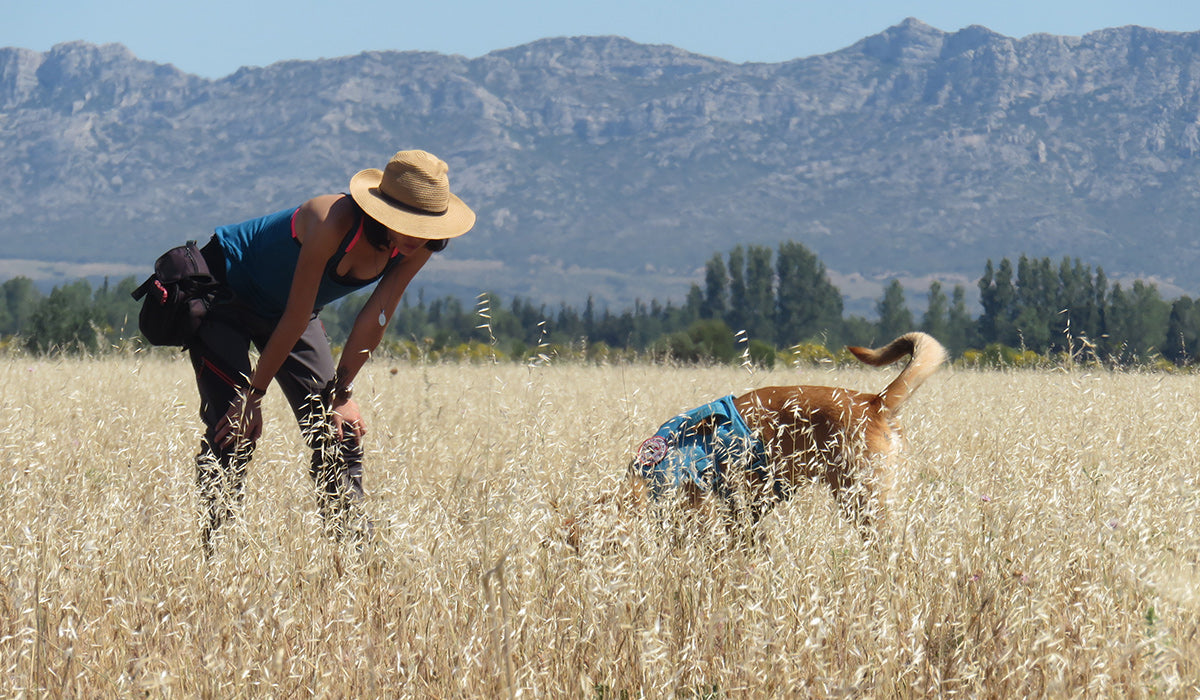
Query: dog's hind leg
x,y
860,494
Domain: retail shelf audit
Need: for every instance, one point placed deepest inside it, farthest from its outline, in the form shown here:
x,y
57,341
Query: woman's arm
x,y
366,334
368,329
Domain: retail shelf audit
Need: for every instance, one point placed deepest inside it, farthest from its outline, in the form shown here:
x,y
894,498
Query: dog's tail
x,y
927,355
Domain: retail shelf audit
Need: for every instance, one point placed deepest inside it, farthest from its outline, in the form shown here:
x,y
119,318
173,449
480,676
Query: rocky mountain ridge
x,y
602,166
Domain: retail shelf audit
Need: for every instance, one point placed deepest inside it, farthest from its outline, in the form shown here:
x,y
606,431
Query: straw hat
x,y
412,196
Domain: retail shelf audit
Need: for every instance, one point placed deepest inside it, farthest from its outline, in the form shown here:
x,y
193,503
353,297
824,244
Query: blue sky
x,y
213,38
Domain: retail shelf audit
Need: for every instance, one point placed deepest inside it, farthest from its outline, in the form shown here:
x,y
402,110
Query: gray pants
x,y
220,356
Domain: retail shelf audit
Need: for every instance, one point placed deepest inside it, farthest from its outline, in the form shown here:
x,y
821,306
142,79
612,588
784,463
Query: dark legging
x,y
220,356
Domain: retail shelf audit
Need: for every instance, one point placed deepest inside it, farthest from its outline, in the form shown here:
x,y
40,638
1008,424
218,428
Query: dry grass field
x,y
1047,545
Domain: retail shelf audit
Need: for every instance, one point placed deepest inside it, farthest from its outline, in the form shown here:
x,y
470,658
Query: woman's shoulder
x,y
328,206
326,216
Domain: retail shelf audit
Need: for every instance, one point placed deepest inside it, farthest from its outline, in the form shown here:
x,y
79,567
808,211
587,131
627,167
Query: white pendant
x,y
382,319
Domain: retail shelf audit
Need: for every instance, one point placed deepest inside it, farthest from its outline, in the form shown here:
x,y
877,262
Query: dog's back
x,y
848,439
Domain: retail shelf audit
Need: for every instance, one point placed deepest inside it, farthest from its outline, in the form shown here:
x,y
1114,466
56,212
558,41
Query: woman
x,y
280,270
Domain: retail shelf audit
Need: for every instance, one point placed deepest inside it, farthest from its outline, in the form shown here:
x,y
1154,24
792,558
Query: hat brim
x,y
455,221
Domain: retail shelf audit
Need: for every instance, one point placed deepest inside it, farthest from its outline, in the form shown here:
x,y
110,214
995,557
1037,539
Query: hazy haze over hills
x,y
602,166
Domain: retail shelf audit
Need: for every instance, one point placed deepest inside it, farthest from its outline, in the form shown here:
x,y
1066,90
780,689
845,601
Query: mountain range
x,y
603,167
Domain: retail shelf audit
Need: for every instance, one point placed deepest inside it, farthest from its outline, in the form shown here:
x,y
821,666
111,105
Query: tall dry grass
x,y
1047,546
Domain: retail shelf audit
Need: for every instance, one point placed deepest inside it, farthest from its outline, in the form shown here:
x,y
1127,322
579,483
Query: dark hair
x,y
375,232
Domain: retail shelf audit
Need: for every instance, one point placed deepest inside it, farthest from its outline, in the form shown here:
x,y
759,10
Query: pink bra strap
x,y
357,234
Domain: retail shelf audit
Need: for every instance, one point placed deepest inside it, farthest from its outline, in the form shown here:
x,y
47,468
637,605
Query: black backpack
x,y
176,298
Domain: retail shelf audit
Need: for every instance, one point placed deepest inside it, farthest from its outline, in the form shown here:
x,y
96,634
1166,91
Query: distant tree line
x,y
71,318
755,302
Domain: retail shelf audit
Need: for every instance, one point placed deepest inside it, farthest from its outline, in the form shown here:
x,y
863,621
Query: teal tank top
x,y
261,256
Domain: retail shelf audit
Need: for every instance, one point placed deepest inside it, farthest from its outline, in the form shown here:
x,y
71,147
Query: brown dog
x,y
847,439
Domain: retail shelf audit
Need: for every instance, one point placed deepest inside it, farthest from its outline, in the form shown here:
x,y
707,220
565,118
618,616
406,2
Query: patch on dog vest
x,y
652,451
698,447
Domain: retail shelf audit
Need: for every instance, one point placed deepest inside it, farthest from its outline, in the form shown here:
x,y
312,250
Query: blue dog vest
x,y
697,448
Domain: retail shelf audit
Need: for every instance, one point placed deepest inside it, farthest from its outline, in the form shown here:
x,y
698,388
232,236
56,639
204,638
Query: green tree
x,y
589,313
936,321
694,304
895,319
1100,293
19,299
1036,304
1082,319
7,325
960,326
1183,332
738,302
705,340
857,330
760,294
647,324
65,321
1137,322
568,327
997,296
716,289
807,303
115,310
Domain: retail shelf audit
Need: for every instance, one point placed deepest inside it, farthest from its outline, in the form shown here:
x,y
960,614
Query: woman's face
x,y
381,235
404,243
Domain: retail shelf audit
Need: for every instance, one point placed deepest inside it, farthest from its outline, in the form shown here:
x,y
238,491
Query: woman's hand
x,y
347,417
242,422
